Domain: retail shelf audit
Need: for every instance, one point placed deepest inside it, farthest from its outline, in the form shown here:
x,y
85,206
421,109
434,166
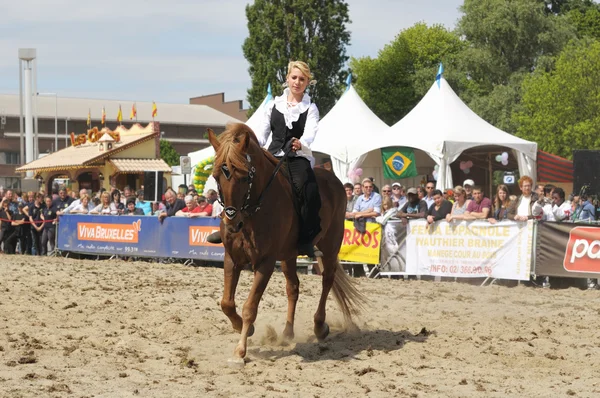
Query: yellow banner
x,y
361,248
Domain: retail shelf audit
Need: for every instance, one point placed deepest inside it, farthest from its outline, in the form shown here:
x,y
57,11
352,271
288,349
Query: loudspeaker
x,y
153,186
586,164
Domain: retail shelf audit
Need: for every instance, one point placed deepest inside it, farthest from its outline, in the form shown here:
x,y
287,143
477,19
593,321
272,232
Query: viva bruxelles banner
x,y
470,249
140,236
398,162
361,247
568,250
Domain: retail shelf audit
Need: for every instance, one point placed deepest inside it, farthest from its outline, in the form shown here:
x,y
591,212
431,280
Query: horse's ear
x,y
244,141
212,138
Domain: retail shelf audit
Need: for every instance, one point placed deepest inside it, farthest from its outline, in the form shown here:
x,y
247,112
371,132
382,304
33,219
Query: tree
x,y
168,153
313,31
561,109
393,83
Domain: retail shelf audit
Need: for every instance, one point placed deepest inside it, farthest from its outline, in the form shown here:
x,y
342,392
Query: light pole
x,y
66,129
55,116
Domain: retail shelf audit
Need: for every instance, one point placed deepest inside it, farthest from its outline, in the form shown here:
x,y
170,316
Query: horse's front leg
x,y
262,274
292,289
232,276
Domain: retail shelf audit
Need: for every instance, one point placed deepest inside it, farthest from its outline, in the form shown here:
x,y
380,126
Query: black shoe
x,y
214,238
306,249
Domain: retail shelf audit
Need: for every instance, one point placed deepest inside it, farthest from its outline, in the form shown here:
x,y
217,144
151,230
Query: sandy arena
x,y
74,328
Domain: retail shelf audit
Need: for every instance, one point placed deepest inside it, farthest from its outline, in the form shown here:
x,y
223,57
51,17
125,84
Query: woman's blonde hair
x,y
387,203
459,190
303,68
104,195
84,196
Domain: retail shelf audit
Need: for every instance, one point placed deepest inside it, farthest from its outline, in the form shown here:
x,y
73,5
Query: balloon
x,y
504,156
359,172
435,174
436,167
505,162
498,158
469,164
467,171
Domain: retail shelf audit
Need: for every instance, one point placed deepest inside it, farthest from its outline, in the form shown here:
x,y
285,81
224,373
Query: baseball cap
x,y
412,190
397,184
469,182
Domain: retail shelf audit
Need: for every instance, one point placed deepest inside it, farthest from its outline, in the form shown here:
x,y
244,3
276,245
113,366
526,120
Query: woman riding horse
x,y
293,119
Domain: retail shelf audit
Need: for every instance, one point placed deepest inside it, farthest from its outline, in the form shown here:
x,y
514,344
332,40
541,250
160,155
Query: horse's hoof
x,y
236,363
250,330
323,333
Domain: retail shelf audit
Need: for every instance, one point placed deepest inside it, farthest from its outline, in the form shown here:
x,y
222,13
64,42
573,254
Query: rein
x,y
247,209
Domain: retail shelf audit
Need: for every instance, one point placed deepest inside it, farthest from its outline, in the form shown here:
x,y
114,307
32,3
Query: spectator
x,y
181,195
35,217
439,209
367,206
84,206
21,232
205,207
375,188
460,205
386,190
49,229
191,187
142,204
358,191
76,203
587,210
63,201
429,189
522,211
30,198
480,207
350,199
12,203
502,205
105,205
539,190
388,210
173,204
191,208
96,201
116,206
542,208
131,210
468,186
422,193
158,208
211,196
413,208
560,207
6,223
398,195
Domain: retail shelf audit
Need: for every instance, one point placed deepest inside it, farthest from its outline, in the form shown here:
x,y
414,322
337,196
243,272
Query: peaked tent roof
x,y
344,131
442,125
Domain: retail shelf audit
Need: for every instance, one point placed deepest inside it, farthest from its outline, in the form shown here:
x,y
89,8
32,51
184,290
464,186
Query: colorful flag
x,y
438,77
154,110
398,163
89,119
103,116
120,115
133,112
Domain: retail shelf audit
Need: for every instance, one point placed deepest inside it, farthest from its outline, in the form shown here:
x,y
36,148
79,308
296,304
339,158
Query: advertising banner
x,y
567,249
361,248
470,249
393,247
140,236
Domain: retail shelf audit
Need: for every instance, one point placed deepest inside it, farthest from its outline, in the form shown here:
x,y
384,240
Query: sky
x,y
167,51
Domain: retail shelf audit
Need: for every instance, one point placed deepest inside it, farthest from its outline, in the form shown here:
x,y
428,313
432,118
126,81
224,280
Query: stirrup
x,y
214,238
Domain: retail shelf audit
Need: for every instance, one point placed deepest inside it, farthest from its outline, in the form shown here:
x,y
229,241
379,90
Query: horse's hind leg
x,y
231,278
262,274
292,289
328,272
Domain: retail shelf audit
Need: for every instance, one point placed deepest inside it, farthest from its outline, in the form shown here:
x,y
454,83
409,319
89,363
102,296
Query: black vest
x,y
281,133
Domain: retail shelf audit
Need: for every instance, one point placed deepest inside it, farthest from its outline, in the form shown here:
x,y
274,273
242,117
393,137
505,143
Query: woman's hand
x,y
296,144
449,217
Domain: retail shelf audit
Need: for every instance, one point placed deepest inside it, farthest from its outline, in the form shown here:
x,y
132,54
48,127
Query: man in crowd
x,y
12,203
128,193
480,207
542,208
413,208
398,195
350,199
468,187
63,201
76,203
358,189
211,196
142,204
191,208
173,205
386,191
539,190
522,211
367,206
429,188
205,207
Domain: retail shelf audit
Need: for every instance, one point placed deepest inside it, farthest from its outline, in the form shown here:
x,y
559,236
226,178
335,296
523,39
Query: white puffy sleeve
x,y
264,129
311,126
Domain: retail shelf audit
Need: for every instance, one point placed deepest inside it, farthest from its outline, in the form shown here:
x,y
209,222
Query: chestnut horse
x,y
260,226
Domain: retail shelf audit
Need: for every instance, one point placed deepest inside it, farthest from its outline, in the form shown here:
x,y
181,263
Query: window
x,y
12,158
12,183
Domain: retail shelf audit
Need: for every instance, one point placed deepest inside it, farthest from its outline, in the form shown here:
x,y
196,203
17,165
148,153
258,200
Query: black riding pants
x,y
307,190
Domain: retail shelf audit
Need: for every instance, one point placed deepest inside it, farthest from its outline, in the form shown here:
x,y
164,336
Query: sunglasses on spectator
x,y
428,187
396,188
385,190
368,186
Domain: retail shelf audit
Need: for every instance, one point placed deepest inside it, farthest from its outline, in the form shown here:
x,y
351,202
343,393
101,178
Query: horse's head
x,y
234,172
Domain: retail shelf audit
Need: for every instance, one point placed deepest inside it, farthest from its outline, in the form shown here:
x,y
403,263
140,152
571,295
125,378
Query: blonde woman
x,y
388,210
82,207
460,204
105,206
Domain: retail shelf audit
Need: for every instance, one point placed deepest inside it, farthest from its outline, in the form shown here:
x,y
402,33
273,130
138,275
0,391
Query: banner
x,y
398,163
470,249
393,247
361,248
567,249
140,236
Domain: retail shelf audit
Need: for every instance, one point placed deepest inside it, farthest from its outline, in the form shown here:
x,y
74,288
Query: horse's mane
x,y
229,152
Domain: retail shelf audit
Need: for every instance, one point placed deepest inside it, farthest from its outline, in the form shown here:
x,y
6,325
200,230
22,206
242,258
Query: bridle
x,y
247,209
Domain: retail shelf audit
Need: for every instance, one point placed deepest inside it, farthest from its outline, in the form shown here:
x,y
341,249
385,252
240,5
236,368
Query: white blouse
x,y
291,115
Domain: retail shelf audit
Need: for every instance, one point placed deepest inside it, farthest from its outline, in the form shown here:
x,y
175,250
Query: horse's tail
x,y
349,299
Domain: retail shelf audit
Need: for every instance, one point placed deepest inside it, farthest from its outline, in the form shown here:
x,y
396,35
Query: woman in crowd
x,y
158,208
117,206
49,230
21,231
205,207
5,224
105,206
82,207
460,204
502,205
388,210
439,209
35,217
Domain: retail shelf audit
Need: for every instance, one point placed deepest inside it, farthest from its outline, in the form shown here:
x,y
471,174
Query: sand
x,y
81,328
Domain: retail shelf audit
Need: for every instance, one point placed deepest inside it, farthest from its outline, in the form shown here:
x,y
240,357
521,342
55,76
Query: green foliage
x,y
313,31
561,109
586,19
168,153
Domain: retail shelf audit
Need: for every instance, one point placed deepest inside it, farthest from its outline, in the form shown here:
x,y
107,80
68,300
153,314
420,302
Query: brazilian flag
x,y
398,162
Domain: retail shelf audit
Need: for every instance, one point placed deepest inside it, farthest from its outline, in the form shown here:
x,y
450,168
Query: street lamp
x,y
55,116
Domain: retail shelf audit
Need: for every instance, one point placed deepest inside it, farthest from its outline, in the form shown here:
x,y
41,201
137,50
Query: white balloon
x,y
504,156
505,162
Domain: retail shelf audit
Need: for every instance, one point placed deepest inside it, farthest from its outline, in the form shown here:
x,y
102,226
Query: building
x,y
217,101
184,125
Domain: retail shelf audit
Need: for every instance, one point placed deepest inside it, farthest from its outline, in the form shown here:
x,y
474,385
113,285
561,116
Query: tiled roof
x,y
140,165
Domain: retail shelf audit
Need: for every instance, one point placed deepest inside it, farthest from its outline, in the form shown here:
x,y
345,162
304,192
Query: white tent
x,y
344,131
443,126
